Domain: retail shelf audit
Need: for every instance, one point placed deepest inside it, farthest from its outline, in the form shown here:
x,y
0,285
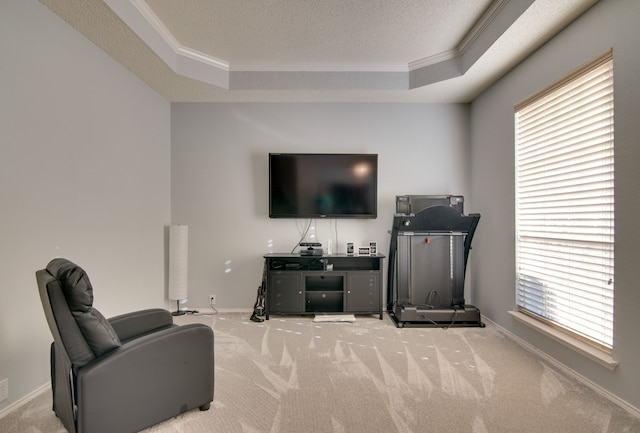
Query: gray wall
x,y
219,178
610,23
84,174
72,119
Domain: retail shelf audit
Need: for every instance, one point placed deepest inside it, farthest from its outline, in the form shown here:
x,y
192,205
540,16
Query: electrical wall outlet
x,y
212,299
4,389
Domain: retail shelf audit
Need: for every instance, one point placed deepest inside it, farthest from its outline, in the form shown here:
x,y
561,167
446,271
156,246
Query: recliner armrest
x,y
138,323
147,380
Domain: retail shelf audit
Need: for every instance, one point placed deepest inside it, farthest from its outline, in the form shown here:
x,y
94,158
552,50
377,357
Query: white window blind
x,y
565,204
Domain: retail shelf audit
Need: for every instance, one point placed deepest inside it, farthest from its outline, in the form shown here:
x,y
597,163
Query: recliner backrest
x,y
67,297
63,326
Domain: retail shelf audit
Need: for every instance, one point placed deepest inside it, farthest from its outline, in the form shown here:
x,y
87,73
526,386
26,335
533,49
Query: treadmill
x,y
429,248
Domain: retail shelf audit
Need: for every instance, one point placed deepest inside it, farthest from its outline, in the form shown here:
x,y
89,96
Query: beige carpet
x,y
291,375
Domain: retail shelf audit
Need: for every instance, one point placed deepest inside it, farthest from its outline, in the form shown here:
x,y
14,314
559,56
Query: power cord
x,y
304,235
198,313
214,311
445,326
435,297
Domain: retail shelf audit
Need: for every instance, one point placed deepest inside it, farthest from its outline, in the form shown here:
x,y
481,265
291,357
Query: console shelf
x,y
302,284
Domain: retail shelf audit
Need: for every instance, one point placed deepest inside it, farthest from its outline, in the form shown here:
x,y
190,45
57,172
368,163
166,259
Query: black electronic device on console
x,y
313,249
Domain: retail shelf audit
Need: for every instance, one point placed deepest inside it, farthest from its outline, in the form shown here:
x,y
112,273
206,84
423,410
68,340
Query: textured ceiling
x,y
251,33
313,50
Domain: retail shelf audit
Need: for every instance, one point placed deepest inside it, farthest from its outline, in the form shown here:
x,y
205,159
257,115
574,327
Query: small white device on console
x,y
364,251
313,249
350,248
373,247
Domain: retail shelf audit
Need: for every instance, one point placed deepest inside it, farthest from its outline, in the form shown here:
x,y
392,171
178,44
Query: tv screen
x,y
305,185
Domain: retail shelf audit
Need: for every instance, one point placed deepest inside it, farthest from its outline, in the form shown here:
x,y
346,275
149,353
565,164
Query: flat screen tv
x,y
313,185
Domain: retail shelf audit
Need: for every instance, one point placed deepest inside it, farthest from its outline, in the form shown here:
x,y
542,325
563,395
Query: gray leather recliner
x,y
122,374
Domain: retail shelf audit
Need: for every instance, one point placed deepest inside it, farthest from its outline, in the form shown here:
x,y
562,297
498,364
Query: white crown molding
x,y
485,21
182,60
481,25
152,19
200,66
319,67
202,57
435,59
170,40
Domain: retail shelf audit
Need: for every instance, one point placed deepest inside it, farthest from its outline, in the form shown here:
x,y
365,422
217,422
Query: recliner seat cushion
x,y
78,292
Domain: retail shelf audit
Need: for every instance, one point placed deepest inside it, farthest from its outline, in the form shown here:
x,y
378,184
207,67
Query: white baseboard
x,y
26,399
234,310
582,379
209,310
600,356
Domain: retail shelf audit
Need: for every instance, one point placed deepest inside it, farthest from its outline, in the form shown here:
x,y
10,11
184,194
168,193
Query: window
x,y
565,204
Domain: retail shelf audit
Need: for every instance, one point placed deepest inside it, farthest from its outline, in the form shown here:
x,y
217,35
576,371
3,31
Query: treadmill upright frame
x,y
428,257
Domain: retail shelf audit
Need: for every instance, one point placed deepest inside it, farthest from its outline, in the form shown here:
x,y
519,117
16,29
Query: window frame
x,y
549,307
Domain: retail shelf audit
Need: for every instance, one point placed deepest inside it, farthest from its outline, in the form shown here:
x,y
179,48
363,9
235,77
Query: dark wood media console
x,y
298,284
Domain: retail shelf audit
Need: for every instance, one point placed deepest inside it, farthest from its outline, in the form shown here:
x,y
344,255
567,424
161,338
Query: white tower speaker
x,y
178,264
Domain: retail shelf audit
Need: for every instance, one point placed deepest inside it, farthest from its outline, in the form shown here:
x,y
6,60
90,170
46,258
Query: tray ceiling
x,y
319,51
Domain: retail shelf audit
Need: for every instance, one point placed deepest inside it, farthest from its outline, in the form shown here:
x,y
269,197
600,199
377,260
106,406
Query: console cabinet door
x,y
363,291
285,292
